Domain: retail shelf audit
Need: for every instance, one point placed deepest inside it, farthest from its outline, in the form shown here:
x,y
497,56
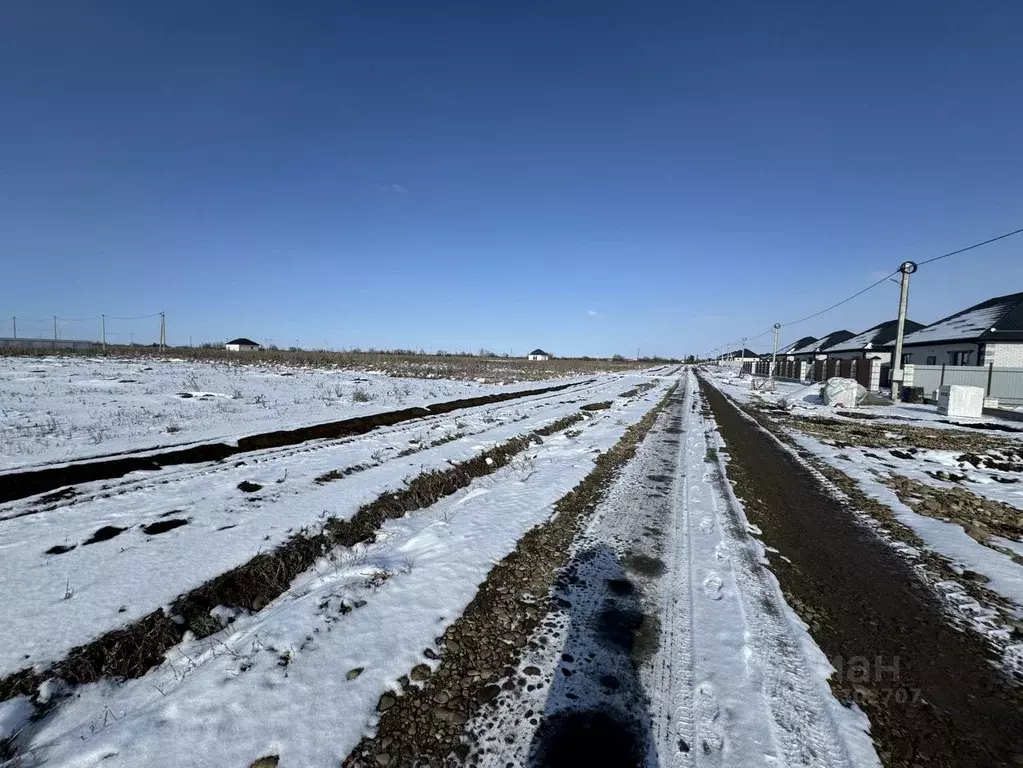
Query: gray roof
x,y
822,345
797,344
997,319
874,338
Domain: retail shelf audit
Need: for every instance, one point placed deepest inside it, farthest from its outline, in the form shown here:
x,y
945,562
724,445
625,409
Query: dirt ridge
x,y
131,651
21,484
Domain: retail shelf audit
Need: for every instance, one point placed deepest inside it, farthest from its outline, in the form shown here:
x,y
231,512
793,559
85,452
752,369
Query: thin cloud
x,y
399,189
592,312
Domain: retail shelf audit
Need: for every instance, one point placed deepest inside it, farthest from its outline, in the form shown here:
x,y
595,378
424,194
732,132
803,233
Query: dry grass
x,y
403,363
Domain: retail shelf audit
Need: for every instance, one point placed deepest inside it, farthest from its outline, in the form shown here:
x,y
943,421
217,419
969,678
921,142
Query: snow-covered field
x,y
293,679
123,578
55,409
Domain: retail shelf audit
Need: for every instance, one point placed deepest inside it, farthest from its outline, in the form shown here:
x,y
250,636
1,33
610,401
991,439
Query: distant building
x,y
241,345
538,354
740,355
989,333
22,343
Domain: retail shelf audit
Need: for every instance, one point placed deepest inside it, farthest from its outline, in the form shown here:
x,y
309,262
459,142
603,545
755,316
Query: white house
x,y
538,354
871,344
241,345
989,333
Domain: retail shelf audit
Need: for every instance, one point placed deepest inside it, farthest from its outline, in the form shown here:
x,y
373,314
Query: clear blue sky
x,y
490,174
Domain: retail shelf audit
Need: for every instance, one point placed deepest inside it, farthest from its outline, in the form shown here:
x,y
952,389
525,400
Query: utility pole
x,y
774,355
14,322
54,331
907,268
742,354
163,330
104,325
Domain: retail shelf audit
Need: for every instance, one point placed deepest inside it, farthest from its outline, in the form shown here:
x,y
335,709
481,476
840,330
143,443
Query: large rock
x,y
847,393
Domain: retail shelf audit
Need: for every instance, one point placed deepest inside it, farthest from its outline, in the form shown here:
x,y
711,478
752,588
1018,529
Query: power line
x,y
143,317
990,240
843,301
970,247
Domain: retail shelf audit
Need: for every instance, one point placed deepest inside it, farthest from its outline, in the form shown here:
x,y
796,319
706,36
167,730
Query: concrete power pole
x,y
14,323
103,321
163,330
907,268
54,331
774,355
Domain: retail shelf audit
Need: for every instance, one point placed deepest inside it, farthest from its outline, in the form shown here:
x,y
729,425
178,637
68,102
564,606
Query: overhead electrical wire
x,y
990,240
970,247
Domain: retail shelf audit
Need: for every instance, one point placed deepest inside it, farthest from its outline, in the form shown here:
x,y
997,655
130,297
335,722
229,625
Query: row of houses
x,y
986,334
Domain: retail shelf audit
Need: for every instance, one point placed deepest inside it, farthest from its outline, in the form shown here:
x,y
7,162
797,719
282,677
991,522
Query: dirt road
x,y
931,694
663,641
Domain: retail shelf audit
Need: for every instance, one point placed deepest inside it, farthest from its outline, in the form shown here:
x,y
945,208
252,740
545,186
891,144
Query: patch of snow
x,y
15,714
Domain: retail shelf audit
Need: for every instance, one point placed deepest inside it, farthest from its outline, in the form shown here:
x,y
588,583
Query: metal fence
x,y
1003,384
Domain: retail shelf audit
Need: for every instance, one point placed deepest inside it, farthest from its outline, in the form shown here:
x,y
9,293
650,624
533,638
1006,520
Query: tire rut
x,y
21,484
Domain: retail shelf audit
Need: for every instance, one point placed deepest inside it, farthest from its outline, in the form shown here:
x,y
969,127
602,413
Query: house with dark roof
x,y
870,344
538,354
989,333
241,344
818,348
786,352
740,355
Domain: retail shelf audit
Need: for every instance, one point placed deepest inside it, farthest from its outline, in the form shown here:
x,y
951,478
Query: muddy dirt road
x,y
931,694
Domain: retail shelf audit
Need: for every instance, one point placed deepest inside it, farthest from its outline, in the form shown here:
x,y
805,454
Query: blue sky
x,y
590,177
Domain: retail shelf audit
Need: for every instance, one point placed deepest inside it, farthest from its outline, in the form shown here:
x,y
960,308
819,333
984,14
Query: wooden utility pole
x,y
14,322
907,268
54,331
104,326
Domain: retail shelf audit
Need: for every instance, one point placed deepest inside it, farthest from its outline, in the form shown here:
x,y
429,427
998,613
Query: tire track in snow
x,y
676,727
730,682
